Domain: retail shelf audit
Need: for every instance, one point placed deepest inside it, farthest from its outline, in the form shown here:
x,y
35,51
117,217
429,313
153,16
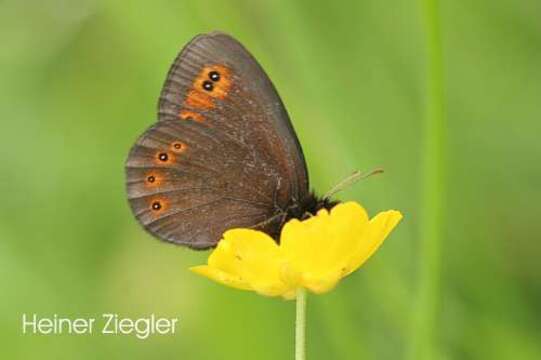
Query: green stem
x,y
300,326
423,344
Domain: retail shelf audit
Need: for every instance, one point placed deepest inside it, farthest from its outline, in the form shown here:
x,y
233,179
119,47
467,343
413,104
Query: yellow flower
x,y
313,254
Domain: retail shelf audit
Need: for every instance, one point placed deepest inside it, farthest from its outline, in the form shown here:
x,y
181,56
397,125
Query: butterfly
x,y
223,153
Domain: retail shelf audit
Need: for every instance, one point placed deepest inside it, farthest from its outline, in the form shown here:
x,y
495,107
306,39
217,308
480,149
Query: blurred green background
x,y
79,81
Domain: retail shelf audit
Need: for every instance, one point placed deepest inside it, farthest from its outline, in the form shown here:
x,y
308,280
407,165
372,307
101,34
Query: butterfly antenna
x,y
350,180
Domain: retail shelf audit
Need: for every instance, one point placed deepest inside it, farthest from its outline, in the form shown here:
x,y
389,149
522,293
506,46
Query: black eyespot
x,y
214,76
156,205
151,179
177,146
207,85
163,157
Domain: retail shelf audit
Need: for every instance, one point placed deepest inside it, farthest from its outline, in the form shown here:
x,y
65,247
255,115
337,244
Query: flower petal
x,y
320,248
301,242
248,259
349,223
221,277
378,228
322,283
223,258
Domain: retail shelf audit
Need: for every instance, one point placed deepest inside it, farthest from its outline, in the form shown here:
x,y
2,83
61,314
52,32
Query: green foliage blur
x,y
79,81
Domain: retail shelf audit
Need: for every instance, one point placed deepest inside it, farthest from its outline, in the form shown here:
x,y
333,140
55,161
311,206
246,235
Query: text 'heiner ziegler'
x,y
113,324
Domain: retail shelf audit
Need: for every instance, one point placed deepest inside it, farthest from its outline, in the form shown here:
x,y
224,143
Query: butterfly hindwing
x,y
187,184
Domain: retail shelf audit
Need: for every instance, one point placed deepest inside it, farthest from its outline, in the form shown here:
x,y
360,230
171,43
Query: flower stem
x,y
300,325
423,342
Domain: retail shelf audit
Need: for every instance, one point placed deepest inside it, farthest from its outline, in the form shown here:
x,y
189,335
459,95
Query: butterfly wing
x,y
223,153
245,100
187,184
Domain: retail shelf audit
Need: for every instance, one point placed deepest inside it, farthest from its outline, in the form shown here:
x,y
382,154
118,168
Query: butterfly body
x,y
223,153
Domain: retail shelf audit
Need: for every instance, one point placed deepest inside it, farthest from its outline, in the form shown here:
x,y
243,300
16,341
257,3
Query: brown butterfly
x,y
223,153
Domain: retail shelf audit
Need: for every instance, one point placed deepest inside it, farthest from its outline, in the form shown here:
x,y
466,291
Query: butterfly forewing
x,y
243,95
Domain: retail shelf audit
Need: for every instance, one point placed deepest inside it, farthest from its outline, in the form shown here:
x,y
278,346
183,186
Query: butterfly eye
x,y
156,205
214,76
207,85
163,157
